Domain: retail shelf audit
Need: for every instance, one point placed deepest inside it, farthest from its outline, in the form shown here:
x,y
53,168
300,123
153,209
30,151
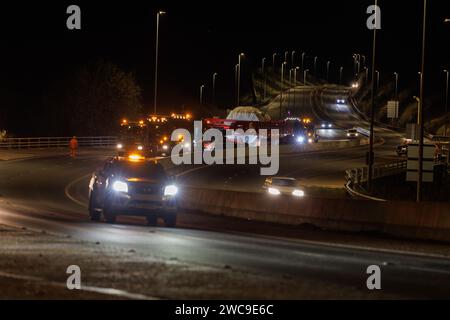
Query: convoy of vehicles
x,y
135,186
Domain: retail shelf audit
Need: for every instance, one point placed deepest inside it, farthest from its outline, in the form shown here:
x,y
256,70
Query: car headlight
x,y
120,186
298,193
323,125
140,148
348,134
356,134
165,147
310,140
329,126
119,146
274,191
170,190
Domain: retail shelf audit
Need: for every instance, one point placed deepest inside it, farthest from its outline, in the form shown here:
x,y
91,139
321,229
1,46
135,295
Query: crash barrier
x,y
355,178
56,142
427,220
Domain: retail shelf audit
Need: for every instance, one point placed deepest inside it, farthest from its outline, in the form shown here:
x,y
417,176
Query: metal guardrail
x,y
56,142
356,177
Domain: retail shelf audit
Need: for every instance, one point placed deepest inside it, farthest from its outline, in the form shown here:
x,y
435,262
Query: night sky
x,y
199,38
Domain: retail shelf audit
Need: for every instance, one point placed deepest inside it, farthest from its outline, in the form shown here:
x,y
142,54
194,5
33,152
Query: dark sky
x,y
199,38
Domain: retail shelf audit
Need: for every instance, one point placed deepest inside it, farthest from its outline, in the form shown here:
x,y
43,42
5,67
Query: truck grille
x,y
145,188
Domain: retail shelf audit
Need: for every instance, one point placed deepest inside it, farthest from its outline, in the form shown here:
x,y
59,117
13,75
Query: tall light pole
x,y
328,71
263,62
239,80
371,155
315,67
286,56
273,61
396,86
214,88
236,71
446,100
341,69
305,73
446,91
366,75
158,14
378,79
421,113
283,65
292,59
201,94
303,61
295,83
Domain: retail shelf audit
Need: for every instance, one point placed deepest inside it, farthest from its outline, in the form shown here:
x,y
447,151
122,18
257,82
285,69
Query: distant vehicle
x,y
402,150
132,186
340,101
352,133
283,185
326,125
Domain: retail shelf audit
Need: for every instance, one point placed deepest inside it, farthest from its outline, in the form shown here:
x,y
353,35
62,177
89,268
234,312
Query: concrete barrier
x,y
401,219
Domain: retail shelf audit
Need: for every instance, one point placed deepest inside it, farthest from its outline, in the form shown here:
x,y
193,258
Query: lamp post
x,y
421,113
158,14
201,94
293,59
303,61
286,56
239,80
295,84
446,99
341,69
315,67
305,73
283,65
214,88
371,155
328,71
236,70
378,79
273,61
264,76
396,86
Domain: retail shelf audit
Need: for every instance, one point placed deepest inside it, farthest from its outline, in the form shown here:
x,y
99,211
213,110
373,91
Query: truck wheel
x,y
94,215
152,220
170,220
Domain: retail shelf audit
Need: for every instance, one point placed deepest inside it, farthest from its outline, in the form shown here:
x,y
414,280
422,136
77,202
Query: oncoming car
x,y
282,185
352,133
133,186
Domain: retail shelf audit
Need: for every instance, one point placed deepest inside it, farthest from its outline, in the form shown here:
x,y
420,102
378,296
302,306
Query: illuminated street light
x,y
239,80
315,66
283,65
214,88
202,87
303,61
273,61
328,70
158,14
396,86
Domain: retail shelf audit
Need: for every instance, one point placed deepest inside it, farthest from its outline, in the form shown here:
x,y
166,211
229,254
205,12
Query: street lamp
x,y
378,79
214,88
273,61
263,61
201,94
158,14
315,67
341,69
239,80
292,59
305,73
286,56
295,83
236,68
328,71
303,61
283,65
396,86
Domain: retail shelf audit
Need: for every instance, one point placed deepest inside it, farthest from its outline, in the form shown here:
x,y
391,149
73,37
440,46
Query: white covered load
x,y
248,114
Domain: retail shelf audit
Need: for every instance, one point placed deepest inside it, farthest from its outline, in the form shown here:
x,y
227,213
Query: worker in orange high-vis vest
x,y
73,144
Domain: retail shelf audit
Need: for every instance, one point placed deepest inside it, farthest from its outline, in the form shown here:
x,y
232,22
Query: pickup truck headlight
x,y
170,190
120,186
298,193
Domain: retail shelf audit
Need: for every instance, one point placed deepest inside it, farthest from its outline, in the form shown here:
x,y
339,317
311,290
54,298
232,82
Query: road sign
x,y
412,131
413,162
392,109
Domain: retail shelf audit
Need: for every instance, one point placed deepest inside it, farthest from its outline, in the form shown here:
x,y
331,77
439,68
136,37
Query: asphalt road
x,y
40,193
